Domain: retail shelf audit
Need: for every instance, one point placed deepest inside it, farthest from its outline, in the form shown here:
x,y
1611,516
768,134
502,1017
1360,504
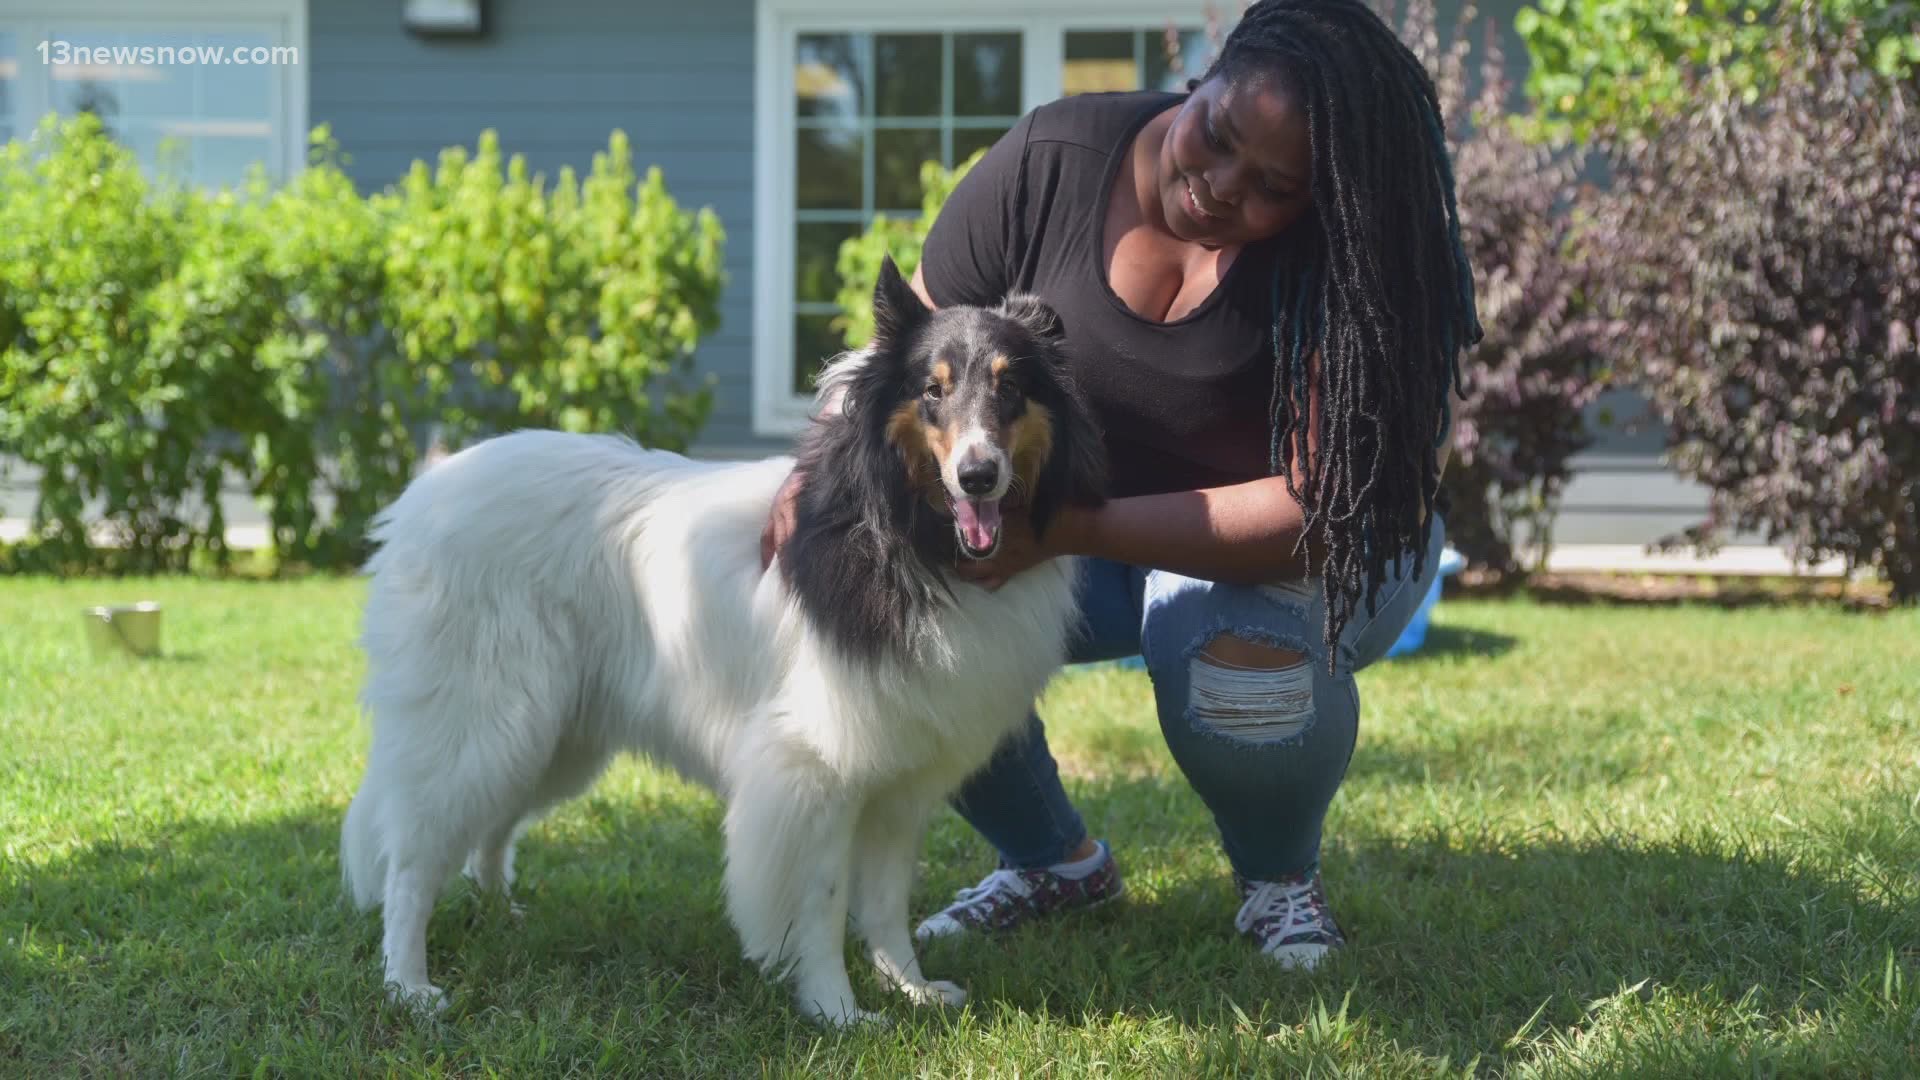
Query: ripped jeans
x,y
1265,748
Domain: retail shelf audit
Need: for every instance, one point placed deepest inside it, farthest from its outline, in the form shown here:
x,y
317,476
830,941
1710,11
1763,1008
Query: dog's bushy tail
x,y
363,859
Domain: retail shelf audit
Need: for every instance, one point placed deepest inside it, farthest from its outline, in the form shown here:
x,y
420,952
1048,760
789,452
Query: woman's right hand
x,y
780,521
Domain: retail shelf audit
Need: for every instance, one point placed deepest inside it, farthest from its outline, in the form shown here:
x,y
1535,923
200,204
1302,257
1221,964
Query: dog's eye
x,y
933,391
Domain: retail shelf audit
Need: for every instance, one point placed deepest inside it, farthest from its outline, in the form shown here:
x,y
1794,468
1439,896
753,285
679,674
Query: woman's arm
x,y
1246,533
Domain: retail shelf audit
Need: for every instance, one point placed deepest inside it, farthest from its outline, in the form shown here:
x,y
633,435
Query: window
x,y
1163,59
869,109
167,80
9,77
851,100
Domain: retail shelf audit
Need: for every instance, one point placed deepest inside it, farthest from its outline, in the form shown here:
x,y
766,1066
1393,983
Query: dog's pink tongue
x,y
979,521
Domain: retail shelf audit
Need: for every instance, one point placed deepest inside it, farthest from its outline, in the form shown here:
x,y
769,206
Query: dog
x,y
542,601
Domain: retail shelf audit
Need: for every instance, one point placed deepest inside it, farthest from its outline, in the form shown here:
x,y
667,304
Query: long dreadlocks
x,y
1381,289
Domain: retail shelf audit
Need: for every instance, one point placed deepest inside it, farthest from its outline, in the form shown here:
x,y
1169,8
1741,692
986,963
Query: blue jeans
x,y
1264,749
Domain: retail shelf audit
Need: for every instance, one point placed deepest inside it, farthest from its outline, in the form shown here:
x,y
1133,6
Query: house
x,y
795,120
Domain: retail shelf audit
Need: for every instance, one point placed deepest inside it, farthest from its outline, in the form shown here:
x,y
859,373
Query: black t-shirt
x,y
1185,404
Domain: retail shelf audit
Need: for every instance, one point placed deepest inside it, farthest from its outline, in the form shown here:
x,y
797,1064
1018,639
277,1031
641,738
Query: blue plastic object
x,y
1415,635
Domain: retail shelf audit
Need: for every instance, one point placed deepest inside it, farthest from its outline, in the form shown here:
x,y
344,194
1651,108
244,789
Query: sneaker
x,y
1289,919
1007,897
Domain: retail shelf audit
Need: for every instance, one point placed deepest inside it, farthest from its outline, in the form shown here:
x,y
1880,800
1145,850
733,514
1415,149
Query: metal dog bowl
x,y
124,629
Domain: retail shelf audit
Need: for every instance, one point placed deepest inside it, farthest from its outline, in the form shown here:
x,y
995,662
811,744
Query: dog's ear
x,y
897,310
1075,473
1036,315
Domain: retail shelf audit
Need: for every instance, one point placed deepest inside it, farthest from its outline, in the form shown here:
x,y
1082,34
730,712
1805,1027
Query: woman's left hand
x,y
1019,549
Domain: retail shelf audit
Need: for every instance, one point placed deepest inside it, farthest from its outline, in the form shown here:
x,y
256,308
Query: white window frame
x,y
34,21
777,411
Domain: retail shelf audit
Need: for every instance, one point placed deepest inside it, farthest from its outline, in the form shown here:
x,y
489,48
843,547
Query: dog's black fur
x,y
870,554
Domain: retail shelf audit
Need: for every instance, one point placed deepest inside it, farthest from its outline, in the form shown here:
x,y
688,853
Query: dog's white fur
x,y
542,601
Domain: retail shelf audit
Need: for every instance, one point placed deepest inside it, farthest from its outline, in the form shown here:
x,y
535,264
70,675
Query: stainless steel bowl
x,y
124,629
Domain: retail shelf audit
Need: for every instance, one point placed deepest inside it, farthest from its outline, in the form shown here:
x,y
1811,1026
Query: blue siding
x,y
555,78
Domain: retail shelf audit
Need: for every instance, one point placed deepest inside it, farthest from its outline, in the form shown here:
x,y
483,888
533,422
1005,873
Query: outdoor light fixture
x,y
443,18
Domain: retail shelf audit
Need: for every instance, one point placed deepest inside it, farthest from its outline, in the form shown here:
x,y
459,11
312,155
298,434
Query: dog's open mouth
x,y
976,522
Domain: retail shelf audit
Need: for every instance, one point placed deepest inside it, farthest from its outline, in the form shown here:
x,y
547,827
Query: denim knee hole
x,y
1249,705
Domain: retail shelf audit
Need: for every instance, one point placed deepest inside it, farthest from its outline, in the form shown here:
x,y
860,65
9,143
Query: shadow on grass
x,y
1445,642
237,934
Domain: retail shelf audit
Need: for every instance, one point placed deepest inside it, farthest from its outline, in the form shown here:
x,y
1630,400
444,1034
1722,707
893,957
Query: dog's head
x,y
976,406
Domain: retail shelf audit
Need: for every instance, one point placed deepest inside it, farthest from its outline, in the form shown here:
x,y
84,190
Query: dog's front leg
x,y
885,844
789,839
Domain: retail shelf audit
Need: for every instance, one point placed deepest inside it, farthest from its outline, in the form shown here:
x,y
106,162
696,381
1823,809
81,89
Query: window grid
x,y
867,123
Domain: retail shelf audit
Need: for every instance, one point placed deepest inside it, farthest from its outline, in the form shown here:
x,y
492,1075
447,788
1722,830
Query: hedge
x,y
308,342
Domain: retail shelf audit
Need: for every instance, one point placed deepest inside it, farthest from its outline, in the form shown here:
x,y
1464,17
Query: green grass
x,y
1575,841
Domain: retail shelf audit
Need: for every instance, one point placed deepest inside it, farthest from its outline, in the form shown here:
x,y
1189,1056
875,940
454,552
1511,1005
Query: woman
x,y
1264,296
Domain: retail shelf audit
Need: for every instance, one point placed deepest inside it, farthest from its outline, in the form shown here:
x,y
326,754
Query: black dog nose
x,y
977,477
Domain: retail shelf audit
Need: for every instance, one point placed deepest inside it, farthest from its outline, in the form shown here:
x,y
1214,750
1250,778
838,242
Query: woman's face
x,y
1236,165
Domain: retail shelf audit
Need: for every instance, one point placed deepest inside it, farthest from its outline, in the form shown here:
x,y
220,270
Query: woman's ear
x,y
897,310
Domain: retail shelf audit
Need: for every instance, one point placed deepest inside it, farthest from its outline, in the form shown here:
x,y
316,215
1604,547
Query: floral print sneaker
x,y
1289,919
1006,898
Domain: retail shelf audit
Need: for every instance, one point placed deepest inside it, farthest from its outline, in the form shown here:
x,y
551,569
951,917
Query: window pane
x,y
158,93
1100,60
897,157
1173,57
223,160
816,251
106,75
76,87
826,76
827,168
815,341
968,140
9,78
986,75
237,91
907,74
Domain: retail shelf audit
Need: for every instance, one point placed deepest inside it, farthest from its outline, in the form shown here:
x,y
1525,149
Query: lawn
x,y
1577,840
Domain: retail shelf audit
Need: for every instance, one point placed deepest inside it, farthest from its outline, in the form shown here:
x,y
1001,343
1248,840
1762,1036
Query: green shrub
x,y
85,245
859,259
306,341
582,304
1763,270
1605,66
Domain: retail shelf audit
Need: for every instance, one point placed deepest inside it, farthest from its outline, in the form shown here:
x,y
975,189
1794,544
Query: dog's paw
x,y
949,993
843,1015
428,1000
937,992
859,1018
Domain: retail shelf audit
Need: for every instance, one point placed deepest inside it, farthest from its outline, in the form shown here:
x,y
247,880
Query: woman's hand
x,y
1020,550
780,521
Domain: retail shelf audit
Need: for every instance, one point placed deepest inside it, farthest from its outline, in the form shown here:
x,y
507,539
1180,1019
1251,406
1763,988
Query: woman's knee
x,y
1251,691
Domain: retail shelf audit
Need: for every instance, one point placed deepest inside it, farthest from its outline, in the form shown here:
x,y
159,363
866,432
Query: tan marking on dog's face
x,y
1030,442
998,366
943,374
905,431
923,446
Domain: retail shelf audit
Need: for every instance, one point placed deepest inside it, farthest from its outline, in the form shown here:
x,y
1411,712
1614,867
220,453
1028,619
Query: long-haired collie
x,y
543,601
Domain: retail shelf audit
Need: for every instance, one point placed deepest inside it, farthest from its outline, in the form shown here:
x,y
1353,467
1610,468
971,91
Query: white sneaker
x,y
1289,919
